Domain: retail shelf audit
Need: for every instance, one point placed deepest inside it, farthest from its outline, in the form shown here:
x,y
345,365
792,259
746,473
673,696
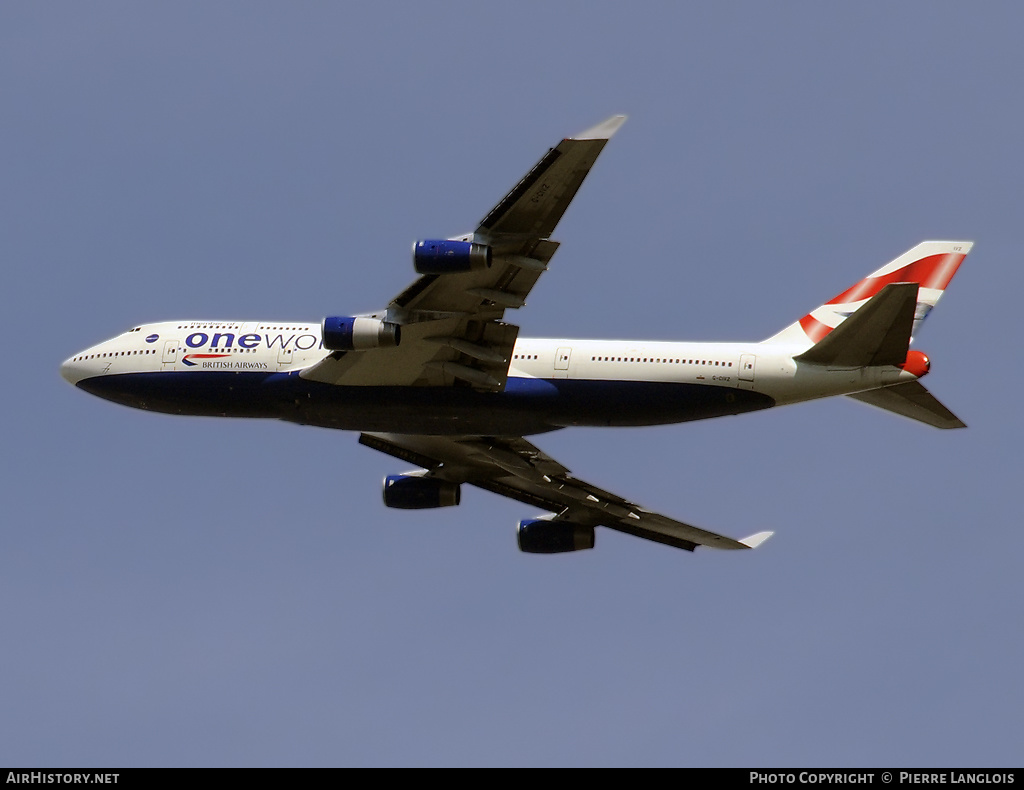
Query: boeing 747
x,y
440,380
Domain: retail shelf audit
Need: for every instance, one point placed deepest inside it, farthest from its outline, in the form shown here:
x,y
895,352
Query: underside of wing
x,y
452,331
515,468
516,232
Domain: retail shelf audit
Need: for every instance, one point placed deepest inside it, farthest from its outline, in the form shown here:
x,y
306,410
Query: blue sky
x,y
211,592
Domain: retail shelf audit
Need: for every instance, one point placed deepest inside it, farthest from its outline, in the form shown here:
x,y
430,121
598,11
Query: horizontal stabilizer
x,y
911,400
876,334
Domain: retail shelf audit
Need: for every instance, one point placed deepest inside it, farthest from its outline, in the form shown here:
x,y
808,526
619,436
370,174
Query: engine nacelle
x,y
410,492
541,536
344,333
443,256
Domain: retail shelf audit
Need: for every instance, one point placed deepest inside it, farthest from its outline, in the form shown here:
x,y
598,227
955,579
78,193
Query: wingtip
x,y
603,130
754,541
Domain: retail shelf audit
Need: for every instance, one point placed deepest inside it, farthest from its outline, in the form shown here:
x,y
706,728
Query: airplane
x,y
439,379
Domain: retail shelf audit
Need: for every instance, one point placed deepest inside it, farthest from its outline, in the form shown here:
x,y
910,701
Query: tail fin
x,y
931,264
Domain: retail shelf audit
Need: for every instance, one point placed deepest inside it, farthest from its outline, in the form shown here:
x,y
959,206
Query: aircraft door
x,y
746,375
562,356
284,358
170,355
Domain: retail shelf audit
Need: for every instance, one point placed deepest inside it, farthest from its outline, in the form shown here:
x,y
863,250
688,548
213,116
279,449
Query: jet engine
x,y
543,536
443,256
410,492
344,333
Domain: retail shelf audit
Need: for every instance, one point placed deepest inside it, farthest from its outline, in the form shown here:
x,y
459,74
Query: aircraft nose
x,y
71,370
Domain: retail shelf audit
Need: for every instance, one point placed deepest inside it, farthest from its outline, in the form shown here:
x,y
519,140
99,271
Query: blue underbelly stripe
x,y
525,406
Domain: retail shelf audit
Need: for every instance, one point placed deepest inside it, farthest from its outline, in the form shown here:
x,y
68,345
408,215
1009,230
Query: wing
x,y
517,469
451,324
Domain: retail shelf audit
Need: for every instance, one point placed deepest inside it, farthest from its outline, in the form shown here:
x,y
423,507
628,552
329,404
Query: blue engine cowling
x,y
541,536
443,256
345,333
410,492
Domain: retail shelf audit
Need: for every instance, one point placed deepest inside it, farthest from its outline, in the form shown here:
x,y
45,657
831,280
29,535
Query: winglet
x,y
603,130
756,540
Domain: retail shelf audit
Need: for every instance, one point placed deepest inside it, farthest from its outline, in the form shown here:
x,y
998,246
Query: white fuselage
x,y
253,368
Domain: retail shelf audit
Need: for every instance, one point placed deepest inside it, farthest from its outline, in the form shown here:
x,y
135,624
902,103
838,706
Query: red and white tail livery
x,y
931,264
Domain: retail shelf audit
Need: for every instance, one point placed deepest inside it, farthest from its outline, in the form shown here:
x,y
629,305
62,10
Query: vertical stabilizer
x,y
931,264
